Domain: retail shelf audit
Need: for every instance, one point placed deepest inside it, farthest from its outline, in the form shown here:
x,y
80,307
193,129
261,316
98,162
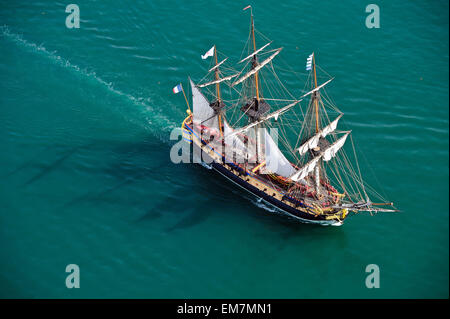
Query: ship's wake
x,y
205,165
260,203
156,117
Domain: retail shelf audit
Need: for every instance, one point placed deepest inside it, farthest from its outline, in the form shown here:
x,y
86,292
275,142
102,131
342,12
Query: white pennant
x,y
209,53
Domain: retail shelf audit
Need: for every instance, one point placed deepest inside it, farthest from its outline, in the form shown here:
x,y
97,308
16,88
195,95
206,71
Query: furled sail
x,y
257,68
327,155
317,88
255,53
217,81
314,141
267,117
280,111
203,113
217,65
276,162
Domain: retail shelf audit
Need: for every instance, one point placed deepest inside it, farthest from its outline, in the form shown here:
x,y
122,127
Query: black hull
x,y
278,205
270,200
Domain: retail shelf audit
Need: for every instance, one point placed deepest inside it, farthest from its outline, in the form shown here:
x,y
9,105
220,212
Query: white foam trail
x,y
260,204
205,165
164,124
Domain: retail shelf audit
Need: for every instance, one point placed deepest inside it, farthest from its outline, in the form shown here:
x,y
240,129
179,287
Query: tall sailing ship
x,y
306,175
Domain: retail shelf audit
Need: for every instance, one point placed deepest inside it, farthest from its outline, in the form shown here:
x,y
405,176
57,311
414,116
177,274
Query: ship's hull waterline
x,y
257,188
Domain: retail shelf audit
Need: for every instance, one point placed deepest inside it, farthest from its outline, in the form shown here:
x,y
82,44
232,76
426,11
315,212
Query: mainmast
x,y
256,102
216,72
254,105
254,57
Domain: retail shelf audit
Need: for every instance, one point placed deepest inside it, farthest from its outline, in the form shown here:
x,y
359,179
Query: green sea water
x,y
86,178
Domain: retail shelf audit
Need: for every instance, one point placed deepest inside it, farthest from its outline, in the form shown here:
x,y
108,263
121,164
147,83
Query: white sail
x,y
254,53
276,162
314,141
235,149
330,127
305,170
217,81
267,117
231,139
278,112
331,151
328,154
217,65
203,113
257,68
309,144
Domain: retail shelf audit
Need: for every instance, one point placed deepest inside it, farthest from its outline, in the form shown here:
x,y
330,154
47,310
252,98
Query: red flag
x,y
247,7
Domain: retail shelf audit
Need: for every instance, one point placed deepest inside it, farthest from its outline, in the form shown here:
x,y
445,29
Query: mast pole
x,y
217,75
187,103
316,102
219,117
257,131
254,50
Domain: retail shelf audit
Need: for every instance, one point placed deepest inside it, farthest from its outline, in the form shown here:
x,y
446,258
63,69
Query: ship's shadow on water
x,y
148,162
191,190
237,202
127,163
190,211
52,166
63,152
192,187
